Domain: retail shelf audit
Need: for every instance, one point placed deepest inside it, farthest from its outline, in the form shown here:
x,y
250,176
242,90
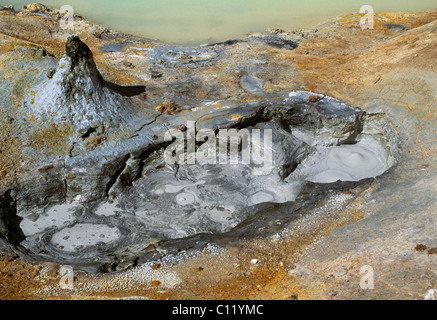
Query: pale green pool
x,y
193,22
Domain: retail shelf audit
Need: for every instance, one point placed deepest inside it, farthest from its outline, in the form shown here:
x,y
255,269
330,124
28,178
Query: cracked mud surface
x,y
319,250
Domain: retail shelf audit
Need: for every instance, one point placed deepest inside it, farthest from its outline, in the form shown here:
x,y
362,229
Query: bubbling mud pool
x,y
365,159
324,143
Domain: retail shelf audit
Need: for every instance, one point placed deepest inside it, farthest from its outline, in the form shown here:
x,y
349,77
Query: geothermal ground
x,y
348,210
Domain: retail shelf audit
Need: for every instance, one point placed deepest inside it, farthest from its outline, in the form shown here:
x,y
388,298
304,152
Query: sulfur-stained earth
x,y
383,230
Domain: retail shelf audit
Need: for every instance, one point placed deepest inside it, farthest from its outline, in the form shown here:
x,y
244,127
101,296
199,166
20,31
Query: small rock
x,y
432,251
182,127
313,98
155,283
35,7
275,30
333,293
254,261
397,27
50,73
156,266
167,107
7,8
420,247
